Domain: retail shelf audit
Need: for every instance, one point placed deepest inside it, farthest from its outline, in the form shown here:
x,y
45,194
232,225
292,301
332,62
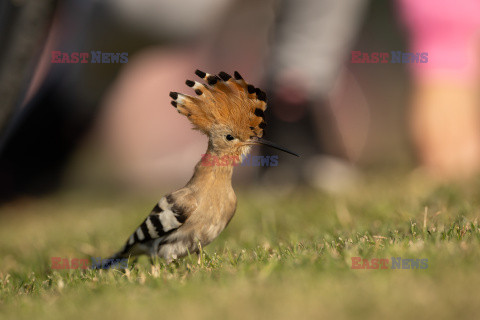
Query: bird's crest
x,y
223,100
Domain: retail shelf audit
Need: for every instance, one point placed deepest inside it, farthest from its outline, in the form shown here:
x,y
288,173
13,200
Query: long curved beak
x,y
256,141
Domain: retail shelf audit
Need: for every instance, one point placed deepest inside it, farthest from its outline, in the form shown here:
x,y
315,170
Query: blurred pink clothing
x,y
449,31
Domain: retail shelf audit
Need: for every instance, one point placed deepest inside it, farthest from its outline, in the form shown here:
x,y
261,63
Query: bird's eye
x,y
229,137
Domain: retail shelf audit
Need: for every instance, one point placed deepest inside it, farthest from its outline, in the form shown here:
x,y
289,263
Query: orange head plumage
x,y
227,109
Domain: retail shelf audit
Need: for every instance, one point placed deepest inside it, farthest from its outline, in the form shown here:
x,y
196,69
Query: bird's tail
x,y
132,248
118,260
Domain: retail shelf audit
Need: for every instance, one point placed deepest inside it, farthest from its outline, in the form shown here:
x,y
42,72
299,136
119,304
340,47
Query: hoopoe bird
x,y
231,113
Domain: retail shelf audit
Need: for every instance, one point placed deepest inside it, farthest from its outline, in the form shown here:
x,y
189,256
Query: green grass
x,y
281,257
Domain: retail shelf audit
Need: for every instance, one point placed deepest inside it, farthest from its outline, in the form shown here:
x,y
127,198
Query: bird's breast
x,y
215,216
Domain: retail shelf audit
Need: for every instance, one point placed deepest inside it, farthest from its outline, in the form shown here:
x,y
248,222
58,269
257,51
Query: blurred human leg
x,y
444,115
312,39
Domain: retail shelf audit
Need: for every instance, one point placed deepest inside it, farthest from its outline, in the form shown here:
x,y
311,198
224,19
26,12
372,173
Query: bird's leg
x,y
134,261
200,252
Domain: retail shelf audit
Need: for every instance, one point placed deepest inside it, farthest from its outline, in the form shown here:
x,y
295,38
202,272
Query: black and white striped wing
x,y
166,217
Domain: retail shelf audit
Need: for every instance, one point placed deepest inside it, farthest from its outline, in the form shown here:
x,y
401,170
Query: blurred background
x,y
111,127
